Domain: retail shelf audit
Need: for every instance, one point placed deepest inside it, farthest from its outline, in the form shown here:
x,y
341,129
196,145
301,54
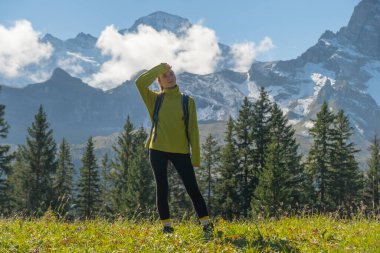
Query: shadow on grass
x,y
277,245
260,244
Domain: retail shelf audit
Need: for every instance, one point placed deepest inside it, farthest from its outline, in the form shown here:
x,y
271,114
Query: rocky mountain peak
x,y
327,35
60,74
52,40
60,78
84,36
363,29
63,83
82,40
160,20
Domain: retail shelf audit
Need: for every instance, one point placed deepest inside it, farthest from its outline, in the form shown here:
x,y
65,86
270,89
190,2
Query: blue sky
x,y
293,25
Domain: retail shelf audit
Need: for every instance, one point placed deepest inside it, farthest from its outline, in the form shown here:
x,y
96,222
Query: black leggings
x,y
182,163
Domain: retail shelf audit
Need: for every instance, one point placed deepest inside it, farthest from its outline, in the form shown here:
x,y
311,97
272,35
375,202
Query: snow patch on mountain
x,y
361,131
309,124
253,90
204,113
81,57
312,78
320,81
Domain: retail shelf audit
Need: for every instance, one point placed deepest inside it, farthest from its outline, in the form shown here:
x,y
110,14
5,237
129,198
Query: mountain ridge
x,y
341,68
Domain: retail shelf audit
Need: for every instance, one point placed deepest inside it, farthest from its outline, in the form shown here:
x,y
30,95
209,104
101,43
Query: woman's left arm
x,y
194,134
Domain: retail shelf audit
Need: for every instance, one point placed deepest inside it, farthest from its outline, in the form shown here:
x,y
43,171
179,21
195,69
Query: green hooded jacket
x,y
171,133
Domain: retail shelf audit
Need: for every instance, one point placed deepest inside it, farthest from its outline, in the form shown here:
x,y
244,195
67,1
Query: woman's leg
x,y
182,163
158,161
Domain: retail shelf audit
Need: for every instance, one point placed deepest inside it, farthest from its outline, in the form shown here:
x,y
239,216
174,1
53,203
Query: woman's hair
x,y
161,88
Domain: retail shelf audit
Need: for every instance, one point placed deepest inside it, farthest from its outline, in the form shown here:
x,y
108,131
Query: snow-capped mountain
x,y
80,56
164,21
161,21
342,68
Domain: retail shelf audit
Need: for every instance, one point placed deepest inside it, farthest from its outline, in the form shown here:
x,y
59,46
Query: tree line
x,y
257,171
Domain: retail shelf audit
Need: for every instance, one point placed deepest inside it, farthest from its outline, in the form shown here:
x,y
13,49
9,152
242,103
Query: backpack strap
x,y
160,98
185,108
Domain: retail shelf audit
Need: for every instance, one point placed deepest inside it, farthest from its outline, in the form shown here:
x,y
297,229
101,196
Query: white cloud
x,y
39,76
71,64
245,53
196,51
19,47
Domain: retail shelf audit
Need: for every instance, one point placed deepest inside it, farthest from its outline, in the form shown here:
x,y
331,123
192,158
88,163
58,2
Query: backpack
x,y
185,109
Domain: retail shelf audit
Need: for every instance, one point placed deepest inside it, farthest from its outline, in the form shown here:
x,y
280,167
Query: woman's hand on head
x,y
167,66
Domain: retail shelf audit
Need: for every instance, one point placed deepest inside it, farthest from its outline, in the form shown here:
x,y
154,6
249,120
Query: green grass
x,y
314,234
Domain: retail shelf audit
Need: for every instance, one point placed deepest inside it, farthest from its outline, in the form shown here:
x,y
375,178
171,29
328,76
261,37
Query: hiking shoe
x,y
168,230
208,230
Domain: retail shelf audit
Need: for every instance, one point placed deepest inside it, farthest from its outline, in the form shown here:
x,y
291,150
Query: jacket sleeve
x,y
144,81
194,134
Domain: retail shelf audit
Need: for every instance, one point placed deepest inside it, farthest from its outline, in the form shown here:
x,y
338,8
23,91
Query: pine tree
x,y
281,182
248,176
63,180
344,183
141,187
20,183
373,174
260,131
106,185
88,200
39,156
5,159
319,157
227,187
206,173
124,154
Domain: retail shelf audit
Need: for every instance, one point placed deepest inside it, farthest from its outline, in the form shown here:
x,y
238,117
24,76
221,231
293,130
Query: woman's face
x,y
168,79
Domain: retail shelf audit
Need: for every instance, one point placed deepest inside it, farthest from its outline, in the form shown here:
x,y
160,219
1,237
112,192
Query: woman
x,y
171,143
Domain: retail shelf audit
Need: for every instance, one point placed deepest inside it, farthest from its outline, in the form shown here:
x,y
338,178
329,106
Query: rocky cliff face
x,y
363,29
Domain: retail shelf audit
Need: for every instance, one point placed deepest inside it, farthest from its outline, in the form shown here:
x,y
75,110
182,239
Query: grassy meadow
x,y
307,234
